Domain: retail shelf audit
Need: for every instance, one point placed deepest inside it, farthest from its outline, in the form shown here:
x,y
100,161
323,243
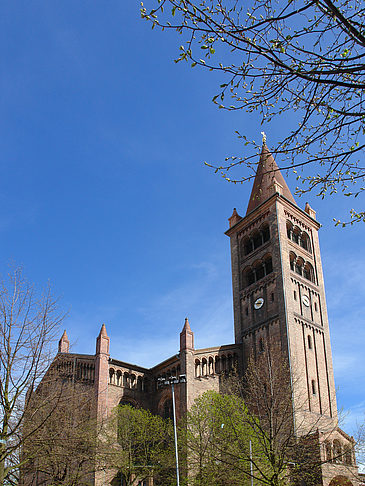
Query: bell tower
x,y
278,289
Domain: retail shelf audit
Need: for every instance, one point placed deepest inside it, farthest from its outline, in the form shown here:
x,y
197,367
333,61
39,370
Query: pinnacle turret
x,y
102,341
186,336
64,343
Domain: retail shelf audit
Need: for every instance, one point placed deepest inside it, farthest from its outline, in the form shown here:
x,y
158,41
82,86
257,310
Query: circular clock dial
x,y
259,303
305,300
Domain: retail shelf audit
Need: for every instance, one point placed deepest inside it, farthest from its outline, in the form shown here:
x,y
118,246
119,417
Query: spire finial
x,y
263,138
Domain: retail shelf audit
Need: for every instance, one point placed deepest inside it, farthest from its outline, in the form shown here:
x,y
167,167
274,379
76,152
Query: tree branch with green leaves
x,y
299,57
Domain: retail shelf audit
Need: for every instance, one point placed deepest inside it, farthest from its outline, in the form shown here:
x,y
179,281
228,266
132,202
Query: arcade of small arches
x,y
128,380
335,452
298,236
258,270
174,371
256,239
214,365
301,267
82,371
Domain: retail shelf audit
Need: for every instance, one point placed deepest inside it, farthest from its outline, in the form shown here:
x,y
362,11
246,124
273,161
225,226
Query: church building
x,y
278,295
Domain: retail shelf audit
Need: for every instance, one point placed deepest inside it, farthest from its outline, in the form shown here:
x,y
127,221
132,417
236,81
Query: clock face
x,y
305,300
258,303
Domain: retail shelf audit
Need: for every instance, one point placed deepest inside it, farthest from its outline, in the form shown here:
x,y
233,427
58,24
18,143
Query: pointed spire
x,y
186,337
234,218
64,343
186,325
102,341
268,180
103,331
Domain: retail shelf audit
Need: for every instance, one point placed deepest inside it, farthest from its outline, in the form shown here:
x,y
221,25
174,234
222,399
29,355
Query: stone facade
x,y
278,295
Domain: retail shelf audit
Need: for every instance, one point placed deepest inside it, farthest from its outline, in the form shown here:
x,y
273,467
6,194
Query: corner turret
x,y
234,218
64,343
102,341
186,337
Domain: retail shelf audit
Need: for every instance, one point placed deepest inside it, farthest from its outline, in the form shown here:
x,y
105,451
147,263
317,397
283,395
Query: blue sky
x,y
104,193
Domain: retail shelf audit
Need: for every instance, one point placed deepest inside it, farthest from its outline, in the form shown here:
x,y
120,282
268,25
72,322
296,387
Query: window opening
x,y
168,410
266,234
268,266
298,268
309,342
255,240
247,247
261,345
260,270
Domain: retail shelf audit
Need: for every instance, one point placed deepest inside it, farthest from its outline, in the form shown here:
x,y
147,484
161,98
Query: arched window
x,y
299,266
146,385
204,367
197,368
111,376
139,383
246,246
309,338
268,265
259,270
337,451
305,241
265,230
119,378
248,277
126,380
308,272
348,456
289,229
168,409
296,235
217,364
257,239
292,257
133,381
211,366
